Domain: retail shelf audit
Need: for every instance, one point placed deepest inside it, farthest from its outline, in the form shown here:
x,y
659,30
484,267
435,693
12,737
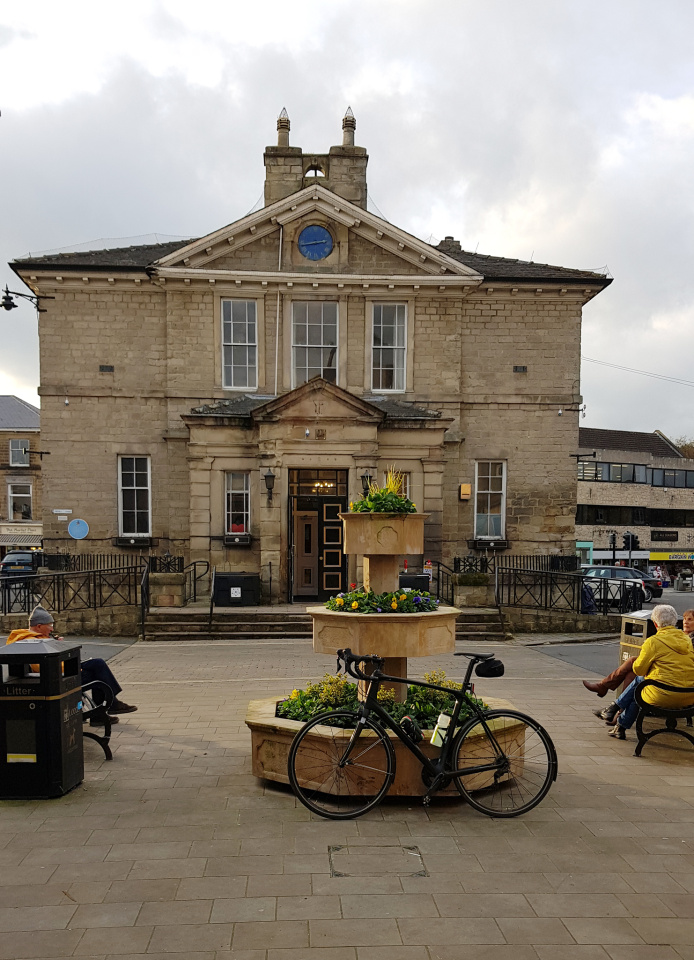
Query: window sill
x,y
137,541
481,544
237,540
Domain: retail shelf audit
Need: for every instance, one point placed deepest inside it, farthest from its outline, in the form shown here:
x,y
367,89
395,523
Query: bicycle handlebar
x,y
350,661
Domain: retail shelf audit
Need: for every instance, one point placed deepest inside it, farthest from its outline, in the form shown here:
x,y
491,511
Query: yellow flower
x,y
403,597
414,505
355,605
394,604
350,504
340,602
294,695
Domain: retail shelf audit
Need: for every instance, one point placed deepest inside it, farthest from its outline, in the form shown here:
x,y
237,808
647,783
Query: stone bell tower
x,y
342,170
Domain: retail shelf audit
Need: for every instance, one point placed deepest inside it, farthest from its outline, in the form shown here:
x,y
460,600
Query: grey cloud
x,y
469,111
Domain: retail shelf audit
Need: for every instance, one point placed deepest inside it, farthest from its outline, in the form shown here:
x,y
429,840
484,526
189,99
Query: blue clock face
x,y
315,243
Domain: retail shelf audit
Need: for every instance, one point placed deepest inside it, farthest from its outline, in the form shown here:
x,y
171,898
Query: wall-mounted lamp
x,y
7,303
269,479
365,482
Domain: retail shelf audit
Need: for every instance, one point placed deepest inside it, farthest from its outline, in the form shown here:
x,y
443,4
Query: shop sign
x,y
672,556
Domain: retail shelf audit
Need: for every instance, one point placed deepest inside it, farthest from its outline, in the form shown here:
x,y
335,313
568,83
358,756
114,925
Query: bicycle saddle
x,y
476,656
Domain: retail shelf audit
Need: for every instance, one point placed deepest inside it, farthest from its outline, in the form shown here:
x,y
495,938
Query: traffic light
x,y
634,542
613,541
626,541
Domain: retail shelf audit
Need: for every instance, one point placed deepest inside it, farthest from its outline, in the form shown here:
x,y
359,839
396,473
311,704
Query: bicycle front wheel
x,y
340,766
523,758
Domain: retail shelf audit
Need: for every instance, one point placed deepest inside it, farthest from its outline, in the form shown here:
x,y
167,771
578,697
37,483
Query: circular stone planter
x,y
272,736
385,634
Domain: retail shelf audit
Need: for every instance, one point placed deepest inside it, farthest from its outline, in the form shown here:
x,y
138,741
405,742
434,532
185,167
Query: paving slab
x,y
174,848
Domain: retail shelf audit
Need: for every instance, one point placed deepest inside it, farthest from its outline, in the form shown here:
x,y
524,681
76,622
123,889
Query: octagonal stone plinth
x,y
385,634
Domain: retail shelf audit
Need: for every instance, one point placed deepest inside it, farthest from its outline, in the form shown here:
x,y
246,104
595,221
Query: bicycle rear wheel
x,y
524,757
326,782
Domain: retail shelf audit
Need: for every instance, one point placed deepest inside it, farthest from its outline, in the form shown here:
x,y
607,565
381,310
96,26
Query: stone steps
x,y
257,624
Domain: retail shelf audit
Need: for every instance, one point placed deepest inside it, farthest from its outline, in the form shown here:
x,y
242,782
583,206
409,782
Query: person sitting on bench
x,y
667,656
624,674
41,625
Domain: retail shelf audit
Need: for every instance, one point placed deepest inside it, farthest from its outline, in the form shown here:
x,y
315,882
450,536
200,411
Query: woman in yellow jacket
x,y
667,656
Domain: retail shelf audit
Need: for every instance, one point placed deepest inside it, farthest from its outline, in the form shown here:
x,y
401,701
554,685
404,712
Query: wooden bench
x,y
670,714
98,711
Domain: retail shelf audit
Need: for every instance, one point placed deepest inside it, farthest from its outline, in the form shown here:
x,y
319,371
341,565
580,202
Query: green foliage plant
x,y
472,579
336,692
386,499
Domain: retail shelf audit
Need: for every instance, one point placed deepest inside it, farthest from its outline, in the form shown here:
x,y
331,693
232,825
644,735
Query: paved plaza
x,y
175,849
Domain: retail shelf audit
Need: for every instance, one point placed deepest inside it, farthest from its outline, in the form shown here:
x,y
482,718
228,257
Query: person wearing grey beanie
x,y
41,625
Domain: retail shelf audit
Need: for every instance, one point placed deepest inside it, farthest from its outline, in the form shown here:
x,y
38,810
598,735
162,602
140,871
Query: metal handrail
x,y
212,579
192,577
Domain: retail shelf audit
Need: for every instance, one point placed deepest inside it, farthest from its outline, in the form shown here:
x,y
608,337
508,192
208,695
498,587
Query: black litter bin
x,y
41,752
415,581
236,590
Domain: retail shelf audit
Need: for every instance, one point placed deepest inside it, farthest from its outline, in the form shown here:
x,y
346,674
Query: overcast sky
x,y
561,130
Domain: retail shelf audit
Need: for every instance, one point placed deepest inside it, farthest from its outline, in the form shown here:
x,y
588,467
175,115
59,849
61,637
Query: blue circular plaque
x,y
78,529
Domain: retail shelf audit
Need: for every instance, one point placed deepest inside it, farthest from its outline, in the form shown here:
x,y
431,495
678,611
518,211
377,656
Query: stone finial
x,y
283,128
349,125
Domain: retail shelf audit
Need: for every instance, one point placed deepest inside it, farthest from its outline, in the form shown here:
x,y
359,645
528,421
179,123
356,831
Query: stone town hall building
x,y
312,342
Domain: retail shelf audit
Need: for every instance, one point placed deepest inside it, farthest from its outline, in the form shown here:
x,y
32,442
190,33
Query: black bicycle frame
x,y
435,768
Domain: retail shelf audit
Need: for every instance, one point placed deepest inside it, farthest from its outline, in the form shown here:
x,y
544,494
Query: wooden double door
x,y
318,560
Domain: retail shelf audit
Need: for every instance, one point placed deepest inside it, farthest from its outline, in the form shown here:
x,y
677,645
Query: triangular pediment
x,y
318,400
218,251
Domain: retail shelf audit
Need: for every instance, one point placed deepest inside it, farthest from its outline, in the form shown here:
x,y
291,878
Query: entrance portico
x,y
317,441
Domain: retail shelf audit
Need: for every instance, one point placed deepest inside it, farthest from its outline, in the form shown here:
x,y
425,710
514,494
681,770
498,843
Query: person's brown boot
x,y
598,688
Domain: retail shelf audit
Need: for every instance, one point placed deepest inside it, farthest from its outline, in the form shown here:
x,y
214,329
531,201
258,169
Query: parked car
x,y
18,563
651,586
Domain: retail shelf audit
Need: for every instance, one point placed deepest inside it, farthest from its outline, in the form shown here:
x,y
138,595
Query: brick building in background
x,y
20,475
304,346
641,483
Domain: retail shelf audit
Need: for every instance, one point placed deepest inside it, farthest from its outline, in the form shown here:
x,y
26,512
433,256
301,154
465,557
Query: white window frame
x,y
406,483
502,533
11,497
399,350
18,446
228,345
121,489
321,346
244,489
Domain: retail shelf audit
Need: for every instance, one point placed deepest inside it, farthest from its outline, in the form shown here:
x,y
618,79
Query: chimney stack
x,y
283,128
349,125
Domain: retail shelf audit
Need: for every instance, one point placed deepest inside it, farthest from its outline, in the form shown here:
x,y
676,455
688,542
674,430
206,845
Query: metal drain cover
x,y
376,861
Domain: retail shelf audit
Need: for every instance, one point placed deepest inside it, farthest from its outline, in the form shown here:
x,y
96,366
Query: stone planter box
x,y
385,634
271,738
384,534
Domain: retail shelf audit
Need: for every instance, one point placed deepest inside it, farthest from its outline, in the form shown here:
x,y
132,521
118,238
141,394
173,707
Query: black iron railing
x,y
442,582
166,564
144,599
59,592
82,562
549,590
544,563
194,571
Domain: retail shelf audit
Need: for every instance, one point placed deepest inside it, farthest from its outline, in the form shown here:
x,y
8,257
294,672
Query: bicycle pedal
x,y
426,800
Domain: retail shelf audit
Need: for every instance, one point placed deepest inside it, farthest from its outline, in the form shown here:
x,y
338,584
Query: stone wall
x,y
105,622
521,620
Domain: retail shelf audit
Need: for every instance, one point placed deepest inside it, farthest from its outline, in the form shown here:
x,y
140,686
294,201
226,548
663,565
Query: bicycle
x,y
502,762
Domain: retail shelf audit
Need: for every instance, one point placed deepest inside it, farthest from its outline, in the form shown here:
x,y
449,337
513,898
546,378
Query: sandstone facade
x,y
134,342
